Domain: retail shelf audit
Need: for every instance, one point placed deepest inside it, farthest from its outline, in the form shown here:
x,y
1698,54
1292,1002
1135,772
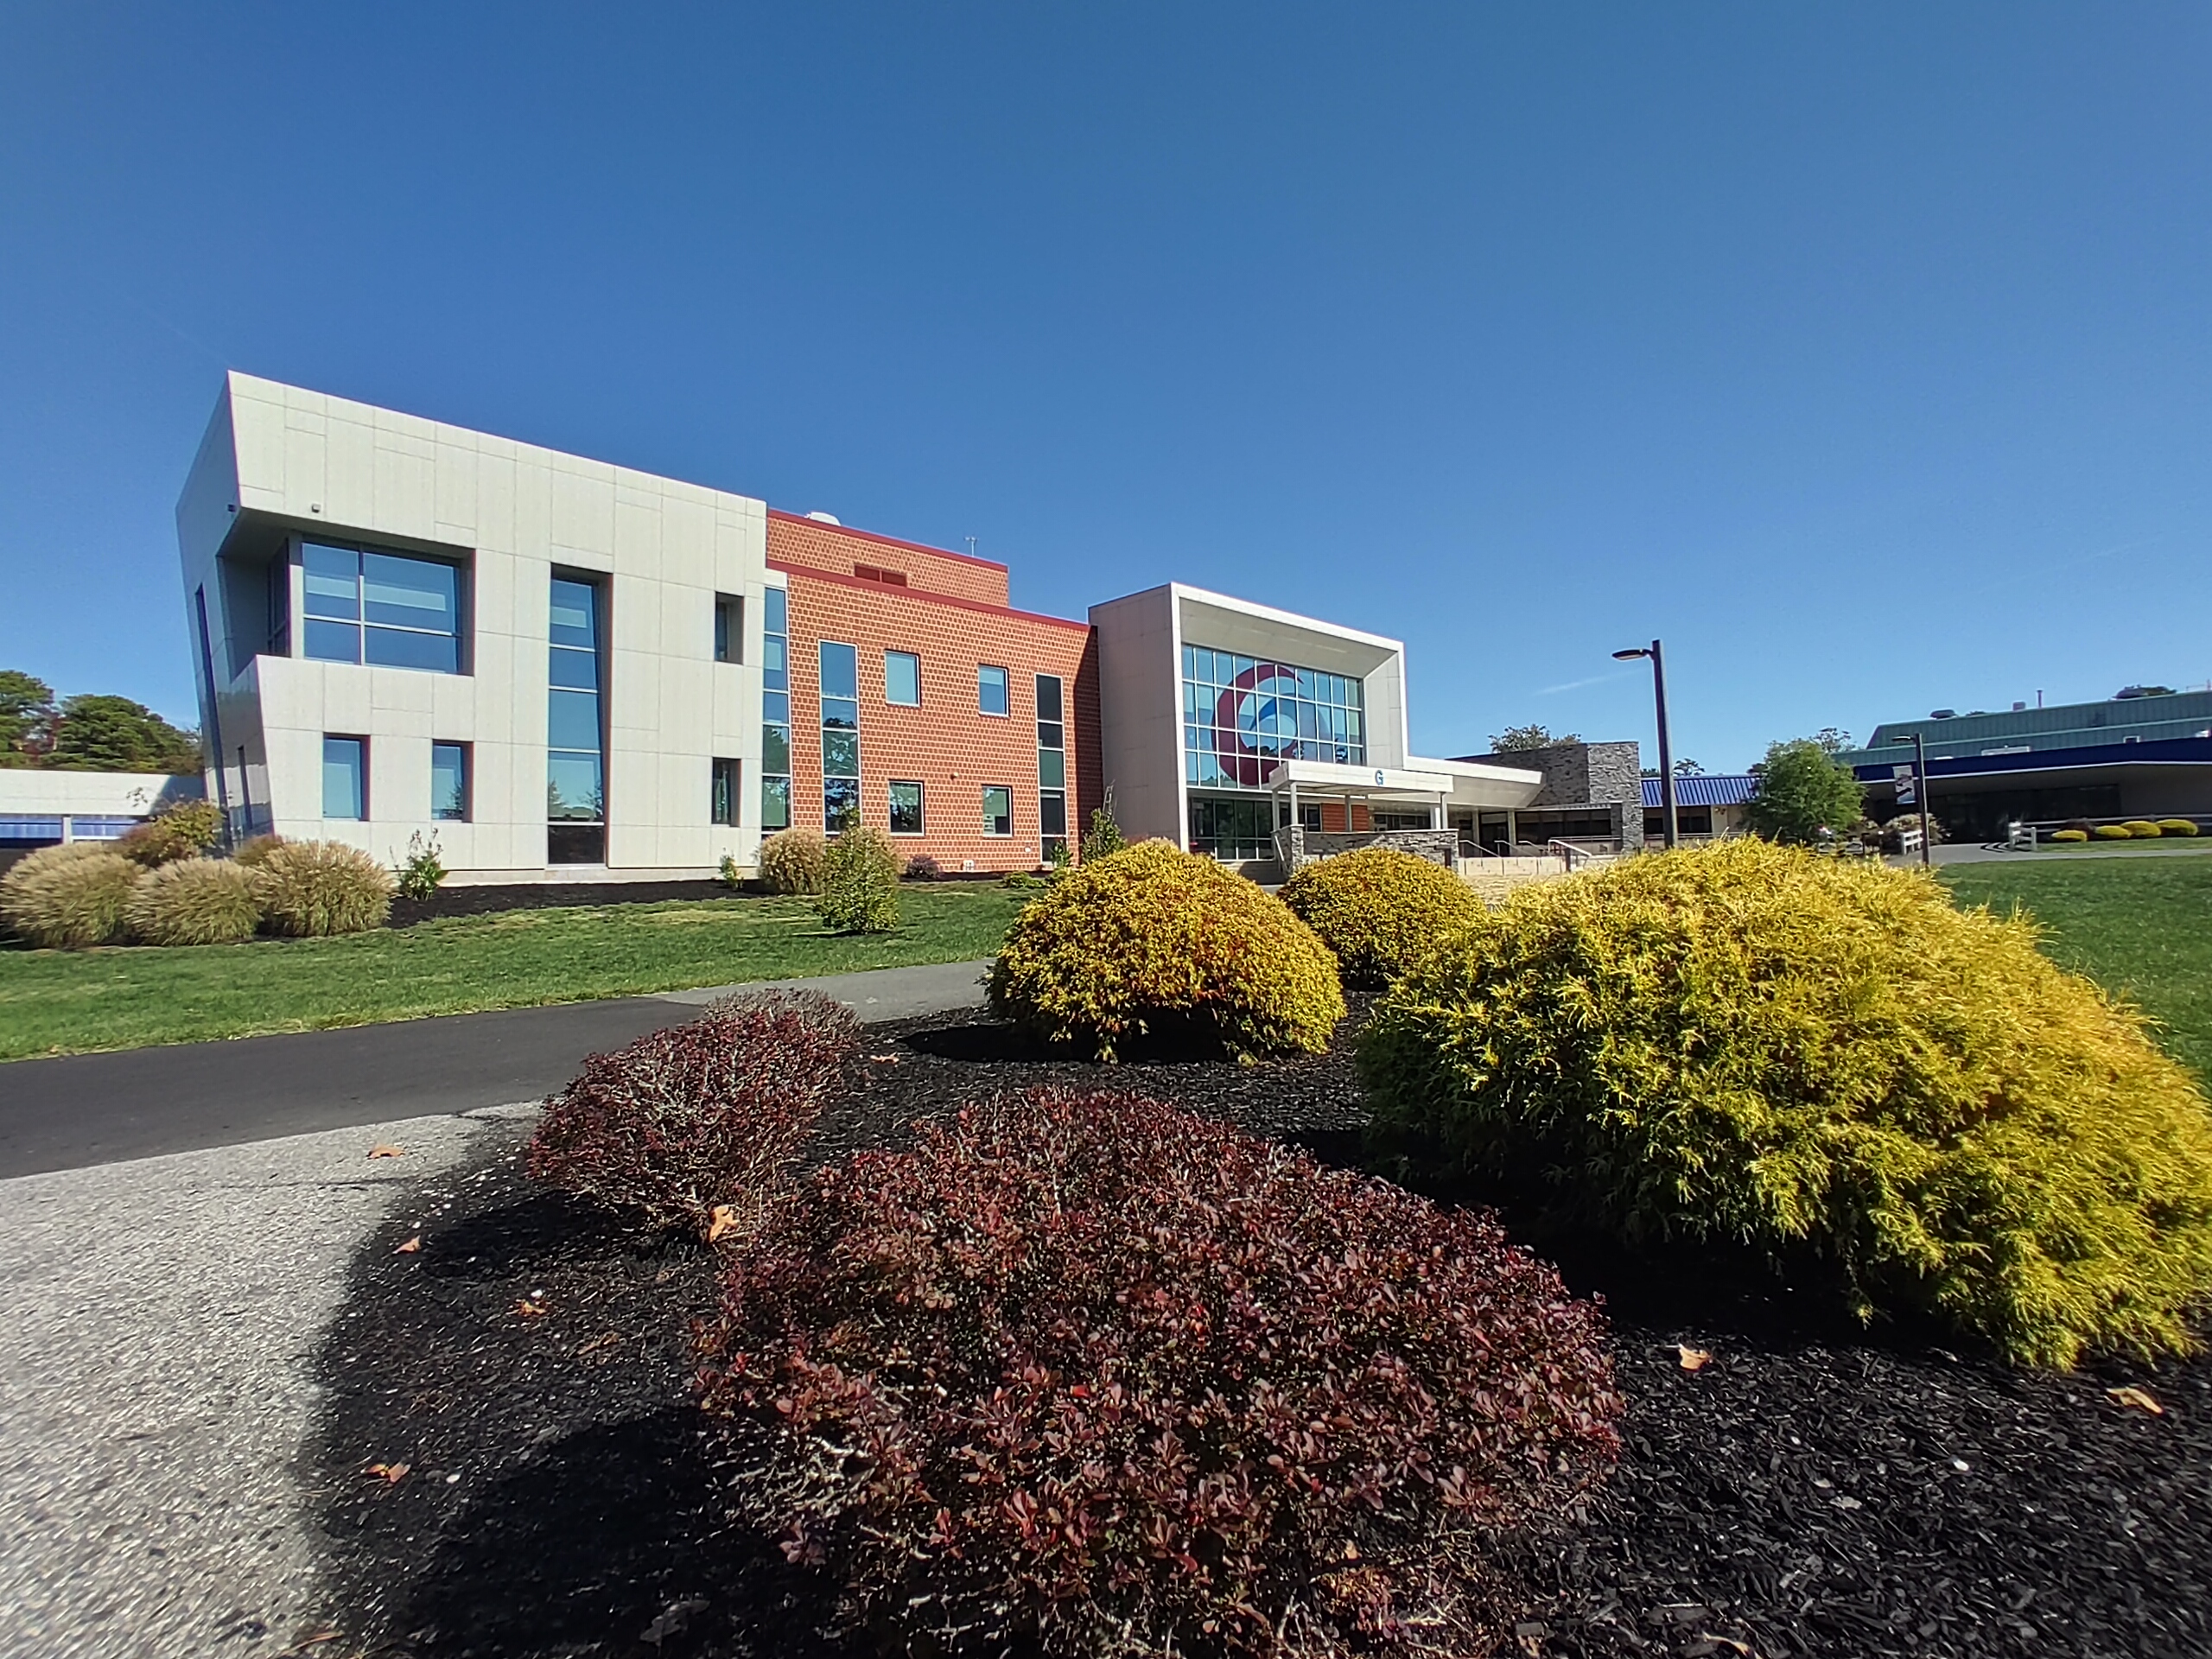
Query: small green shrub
x,y
2143,830
2112,832
423,872
2178,826
255,852
311,889
1104,838
71,897
860,882
1156,941
728,874
195,902
1752,1044
2072,837
790,861
1024,881
1379,908
185,830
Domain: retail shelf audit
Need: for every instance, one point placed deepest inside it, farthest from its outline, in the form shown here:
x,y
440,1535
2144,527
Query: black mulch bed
x,y
1812,1491
490,899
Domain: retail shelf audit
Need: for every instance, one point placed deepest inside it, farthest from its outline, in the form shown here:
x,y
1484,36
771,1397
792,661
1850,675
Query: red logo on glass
x,y
1243,719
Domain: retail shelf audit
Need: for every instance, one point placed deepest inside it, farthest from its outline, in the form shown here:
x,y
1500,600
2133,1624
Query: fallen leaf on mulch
x,y
724,1220
526,1309
598,1343
885,1059
1693,1359
2137,1398
390,1473
387,1151
412,1247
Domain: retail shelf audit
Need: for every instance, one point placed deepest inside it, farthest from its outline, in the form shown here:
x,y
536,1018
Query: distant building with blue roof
x,y
2137,755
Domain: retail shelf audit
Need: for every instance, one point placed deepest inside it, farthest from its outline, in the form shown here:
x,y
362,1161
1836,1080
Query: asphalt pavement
x,y
83,1109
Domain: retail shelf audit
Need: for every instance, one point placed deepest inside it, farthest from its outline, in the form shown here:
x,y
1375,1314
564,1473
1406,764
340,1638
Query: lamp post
x,y
1666,745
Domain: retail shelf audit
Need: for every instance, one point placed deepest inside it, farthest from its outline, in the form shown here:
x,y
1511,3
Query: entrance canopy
x,y
1424,783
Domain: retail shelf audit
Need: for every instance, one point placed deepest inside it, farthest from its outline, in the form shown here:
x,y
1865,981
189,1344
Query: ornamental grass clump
x,y
1154,941
703,1118
1084,1374
195,902
1379,908
71,897
311,889
1757,1047
860,882
792,860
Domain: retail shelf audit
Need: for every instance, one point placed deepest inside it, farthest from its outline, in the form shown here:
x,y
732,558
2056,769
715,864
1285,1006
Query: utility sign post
x,y
1919,791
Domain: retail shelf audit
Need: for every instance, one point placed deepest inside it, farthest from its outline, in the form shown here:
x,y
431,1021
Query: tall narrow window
x,y
345,777
1051,764
729,629
575,769
840,736
998,809
902,678
386,609
990,689
906,809
722,806
775,711
449,781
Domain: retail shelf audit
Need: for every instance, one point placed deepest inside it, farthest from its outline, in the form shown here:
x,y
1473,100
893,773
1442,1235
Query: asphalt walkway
x,y
82,1109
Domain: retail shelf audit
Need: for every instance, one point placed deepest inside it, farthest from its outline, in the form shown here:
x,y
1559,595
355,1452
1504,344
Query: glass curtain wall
x,y
840,736
1241,714
576,759
1051,764
775,712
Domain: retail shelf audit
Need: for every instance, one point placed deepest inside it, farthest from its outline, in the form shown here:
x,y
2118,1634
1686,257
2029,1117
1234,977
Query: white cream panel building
x,y
404,627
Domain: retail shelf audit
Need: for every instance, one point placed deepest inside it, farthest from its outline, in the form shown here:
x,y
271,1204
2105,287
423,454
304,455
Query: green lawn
x,y
2140,926
57,1002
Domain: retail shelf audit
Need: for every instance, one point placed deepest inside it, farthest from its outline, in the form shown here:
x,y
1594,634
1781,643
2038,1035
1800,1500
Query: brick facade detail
x,y
836,551
947,744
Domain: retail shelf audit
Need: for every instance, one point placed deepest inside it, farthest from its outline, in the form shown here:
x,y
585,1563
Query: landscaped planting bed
x,y
1810,1488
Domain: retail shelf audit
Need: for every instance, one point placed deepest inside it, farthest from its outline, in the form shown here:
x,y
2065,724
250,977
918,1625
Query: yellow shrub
x,y
2069,835
2143,830
1155,941
1379,908
2112,832
1750,1044
69,897
2178,826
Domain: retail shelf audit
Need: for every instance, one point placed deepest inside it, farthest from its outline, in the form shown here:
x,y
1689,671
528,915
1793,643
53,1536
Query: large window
x,y
1052,764
1234,829
345,777
722,805
388,610
449,781
998,809
576,771
840,736
990,689
906,809
902,678
775,711
1241,714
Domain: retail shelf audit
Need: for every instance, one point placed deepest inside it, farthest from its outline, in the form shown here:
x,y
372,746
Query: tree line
x,y
91,732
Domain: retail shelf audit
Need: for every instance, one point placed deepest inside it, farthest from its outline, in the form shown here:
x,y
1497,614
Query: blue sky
x,y
1863,352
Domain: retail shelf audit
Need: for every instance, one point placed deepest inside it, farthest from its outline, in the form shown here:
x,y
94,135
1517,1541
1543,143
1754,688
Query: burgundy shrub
x,y
703,1114
1088,1374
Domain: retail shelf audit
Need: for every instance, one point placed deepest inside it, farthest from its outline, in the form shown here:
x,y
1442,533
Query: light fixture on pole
x,y
1666,745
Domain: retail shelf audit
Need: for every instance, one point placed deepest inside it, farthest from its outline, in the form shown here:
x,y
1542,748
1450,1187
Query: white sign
x,y
1908,792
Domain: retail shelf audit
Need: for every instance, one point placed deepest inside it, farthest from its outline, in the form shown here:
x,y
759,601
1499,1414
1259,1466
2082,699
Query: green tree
x,y
26,717
1802,790
104,733
1104,836
1515,738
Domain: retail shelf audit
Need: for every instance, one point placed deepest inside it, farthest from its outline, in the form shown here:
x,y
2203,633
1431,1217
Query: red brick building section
x,y
950,612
